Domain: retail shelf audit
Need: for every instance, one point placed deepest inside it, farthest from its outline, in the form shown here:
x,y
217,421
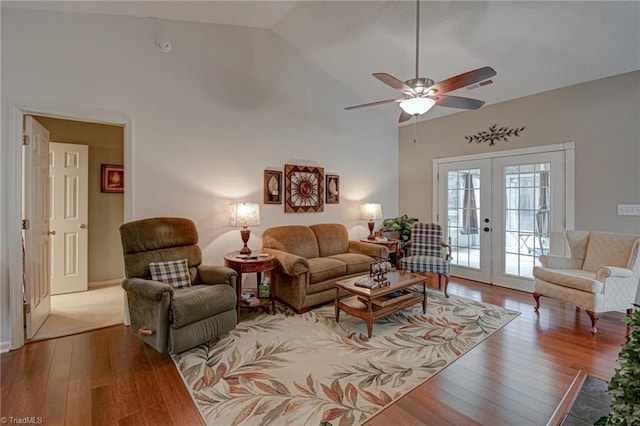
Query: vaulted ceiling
x,y
534,46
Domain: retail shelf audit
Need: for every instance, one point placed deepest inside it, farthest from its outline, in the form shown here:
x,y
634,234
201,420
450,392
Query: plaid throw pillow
x,y
174,273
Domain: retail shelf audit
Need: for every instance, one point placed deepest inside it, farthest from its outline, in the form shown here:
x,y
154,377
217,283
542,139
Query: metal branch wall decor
x,y
494,135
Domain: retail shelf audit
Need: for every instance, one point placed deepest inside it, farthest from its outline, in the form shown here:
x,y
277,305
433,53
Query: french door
x,y
499,214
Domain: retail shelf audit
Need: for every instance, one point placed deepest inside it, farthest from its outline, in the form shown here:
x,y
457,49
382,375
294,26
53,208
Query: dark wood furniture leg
x,y
446,284
536,297
594,319
369,319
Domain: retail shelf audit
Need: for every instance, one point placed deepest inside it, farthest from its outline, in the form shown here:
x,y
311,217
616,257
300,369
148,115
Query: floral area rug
x,y
289,369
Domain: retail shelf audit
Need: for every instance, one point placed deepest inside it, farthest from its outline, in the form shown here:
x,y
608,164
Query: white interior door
x,y
69,168
499,214
35,196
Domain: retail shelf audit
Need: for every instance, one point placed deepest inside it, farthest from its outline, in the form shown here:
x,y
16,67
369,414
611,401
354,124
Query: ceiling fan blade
x,y
388,101
404,116
464,80
393,82
458,102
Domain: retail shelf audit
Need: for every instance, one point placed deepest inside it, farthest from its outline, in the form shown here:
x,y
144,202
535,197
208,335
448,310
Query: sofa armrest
x,y
560,262
612,272
147,289
290,263
210,274
369,249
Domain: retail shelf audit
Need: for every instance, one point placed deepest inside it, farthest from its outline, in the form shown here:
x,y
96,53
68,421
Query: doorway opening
x,y
85,278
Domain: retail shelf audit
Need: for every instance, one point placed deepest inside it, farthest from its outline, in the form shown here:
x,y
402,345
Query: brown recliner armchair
x,y
168,318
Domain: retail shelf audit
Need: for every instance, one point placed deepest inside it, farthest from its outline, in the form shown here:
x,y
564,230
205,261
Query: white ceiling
x,y
534,46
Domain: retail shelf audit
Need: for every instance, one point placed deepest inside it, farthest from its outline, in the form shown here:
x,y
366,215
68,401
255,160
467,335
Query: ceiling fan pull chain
x,y
415,120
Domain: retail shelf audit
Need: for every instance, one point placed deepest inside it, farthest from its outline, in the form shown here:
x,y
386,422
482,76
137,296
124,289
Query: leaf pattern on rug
x,y
308,369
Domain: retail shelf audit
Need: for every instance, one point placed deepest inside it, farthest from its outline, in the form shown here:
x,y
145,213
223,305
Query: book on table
x,y
366,282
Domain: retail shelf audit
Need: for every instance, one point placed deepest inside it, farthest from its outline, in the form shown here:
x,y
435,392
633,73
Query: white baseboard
x,y
95,284
5,347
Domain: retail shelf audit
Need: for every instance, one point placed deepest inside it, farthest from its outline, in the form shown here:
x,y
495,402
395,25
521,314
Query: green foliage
x,y
401,224
625,383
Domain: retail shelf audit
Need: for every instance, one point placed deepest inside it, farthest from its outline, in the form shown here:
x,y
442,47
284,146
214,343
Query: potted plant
x,y
401,224
624,386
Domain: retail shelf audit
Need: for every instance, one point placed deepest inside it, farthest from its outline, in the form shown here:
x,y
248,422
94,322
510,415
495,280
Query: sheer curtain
x,y
469,207
542,215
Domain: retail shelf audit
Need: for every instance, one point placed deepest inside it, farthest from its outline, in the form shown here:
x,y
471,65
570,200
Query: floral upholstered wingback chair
x,y
601,275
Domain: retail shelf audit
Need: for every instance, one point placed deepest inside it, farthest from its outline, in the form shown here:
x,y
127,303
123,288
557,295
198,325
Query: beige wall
x,y
106,210
602,117
205,121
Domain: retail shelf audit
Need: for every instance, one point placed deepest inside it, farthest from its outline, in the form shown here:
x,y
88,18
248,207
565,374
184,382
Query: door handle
x,y
83,226
51,232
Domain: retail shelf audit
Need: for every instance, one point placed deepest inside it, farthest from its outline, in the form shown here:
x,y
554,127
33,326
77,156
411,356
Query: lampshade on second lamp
x,y
244,214
371,212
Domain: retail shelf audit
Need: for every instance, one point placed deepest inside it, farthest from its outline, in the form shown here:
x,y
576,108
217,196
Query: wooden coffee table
x,y
369,304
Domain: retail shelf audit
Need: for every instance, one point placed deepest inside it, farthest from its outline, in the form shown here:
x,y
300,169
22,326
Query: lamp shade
x,y
417,106
371,211
244,214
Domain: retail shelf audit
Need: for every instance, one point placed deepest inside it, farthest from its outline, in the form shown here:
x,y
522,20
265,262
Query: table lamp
x,y
244,214
371,212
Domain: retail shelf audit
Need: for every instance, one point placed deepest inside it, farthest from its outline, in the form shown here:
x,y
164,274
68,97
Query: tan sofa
x,y
312,258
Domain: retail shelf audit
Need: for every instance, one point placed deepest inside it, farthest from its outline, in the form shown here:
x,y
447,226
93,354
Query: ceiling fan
x,y
421,94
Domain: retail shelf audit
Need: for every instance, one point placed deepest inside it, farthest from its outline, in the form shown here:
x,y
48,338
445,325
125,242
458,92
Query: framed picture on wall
x,y
304,189
272,187
112,178
333,189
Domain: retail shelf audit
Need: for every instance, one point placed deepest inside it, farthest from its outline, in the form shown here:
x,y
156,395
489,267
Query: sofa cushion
x,y
332,238
201,301
355,262
324,268
608,249
571,278
578,242
173,272
294,239
420,263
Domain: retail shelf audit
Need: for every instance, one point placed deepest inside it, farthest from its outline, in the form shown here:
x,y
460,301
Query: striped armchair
x,y
429,254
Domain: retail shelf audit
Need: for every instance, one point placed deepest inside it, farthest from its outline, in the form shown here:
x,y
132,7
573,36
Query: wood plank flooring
x,y
517,376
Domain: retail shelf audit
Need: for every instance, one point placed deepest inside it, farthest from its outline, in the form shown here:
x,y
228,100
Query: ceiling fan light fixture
x,y
417,106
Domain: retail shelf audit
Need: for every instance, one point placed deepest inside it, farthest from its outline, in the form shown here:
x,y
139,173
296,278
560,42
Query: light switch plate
x,y
628,209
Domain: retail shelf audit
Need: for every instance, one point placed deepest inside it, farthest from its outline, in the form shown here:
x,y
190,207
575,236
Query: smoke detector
x,y
164,45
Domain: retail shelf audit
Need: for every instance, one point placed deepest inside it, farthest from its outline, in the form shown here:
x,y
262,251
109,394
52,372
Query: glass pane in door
x,y
463,217
526,216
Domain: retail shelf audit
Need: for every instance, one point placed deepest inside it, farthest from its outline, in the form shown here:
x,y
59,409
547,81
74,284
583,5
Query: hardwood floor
x,y
517,376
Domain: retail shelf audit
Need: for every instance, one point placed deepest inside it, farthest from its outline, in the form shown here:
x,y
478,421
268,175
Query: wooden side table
x,y
392,244
257,264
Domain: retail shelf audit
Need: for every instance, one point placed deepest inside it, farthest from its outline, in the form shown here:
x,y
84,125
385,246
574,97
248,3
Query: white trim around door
x,y
484,244
12,190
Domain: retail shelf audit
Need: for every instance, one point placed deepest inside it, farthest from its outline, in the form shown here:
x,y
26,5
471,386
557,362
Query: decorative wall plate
x,y
272,187
304,189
